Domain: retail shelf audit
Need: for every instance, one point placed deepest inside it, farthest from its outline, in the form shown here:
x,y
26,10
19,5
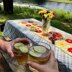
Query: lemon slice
x,y
23,49
17,45
40,49
34,53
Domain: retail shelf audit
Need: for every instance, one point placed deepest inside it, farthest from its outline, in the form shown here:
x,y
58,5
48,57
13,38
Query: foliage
x,y
63,26
46,15
1,34
27,12
66,1
63,16
20,13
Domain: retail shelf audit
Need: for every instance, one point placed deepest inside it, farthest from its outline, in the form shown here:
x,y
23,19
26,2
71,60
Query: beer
x,y
21,57
38,54
21,51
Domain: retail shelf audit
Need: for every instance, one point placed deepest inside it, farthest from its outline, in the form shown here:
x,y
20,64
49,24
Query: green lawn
x,y
66,1
67,27
19,13
62,20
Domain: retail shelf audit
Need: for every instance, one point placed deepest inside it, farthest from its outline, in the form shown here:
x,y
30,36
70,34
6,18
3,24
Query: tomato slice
x,y
28,25
70,50
51,39
44,35
34,24
68,40
56,35
51,32
40,26
23,22
38,31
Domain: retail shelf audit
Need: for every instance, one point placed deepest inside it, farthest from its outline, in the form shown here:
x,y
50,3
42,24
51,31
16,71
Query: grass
x,y
67,27
63,16
19,13
65,1
62,20
1,34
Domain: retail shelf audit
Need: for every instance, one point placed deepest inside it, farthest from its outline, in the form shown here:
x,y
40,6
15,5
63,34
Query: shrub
x,y
63,16
65,27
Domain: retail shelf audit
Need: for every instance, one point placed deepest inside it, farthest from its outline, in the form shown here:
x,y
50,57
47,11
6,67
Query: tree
x,y
8,6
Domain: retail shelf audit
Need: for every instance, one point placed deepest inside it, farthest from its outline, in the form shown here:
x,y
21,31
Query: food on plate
x,y
65,46
38,31
34,24
28,25
23,22
39,26
56,35
69,41
45,35
35,29
50,38
61,43
70,50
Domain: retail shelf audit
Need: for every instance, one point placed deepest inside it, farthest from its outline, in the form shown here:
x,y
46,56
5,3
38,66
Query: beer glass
x,y
39,53
21,49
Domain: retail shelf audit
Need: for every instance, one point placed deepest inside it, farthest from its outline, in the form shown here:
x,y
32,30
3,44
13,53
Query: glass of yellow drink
x,y
21,49
39,54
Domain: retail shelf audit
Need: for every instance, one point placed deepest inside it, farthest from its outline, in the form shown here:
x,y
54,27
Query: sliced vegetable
x,y
33,26
69,41
40,49
23,22
7,38
34,53
38,31
17,45
56,35
23,49
70,50
40,26
28,25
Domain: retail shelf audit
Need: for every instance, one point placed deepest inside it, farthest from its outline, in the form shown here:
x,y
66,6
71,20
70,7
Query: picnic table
x,y
14,29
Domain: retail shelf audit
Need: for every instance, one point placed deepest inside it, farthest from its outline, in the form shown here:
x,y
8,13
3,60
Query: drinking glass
x,y
39,53
20,50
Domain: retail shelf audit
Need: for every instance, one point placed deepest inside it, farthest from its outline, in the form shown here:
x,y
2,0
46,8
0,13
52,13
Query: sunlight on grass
x,y
66,1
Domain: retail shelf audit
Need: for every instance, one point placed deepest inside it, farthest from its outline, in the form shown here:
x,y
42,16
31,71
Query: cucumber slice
x,y
17,45
33,26
34,53
40,49
23,49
